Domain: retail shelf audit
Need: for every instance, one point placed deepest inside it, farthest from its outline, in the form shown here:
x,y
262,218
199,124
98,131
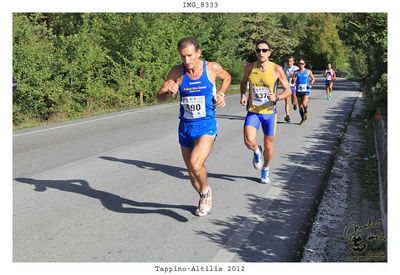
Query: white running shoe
x,y
265,176
205,203
258,159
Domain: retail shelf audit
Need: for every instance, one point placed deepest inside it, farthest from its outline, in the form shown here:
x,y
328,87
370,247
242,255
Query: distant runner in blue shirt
x,y
303,86
194,79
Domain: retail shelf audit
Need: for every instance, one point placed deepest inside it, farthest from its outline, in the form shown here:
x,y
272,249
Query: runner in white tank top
x,y
289,70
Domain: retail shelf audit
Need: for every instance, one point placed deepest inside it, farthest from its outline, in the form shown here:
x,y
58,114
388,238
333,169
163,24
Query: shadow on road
x,y
281,225
272,235
230,117
110,201
174,171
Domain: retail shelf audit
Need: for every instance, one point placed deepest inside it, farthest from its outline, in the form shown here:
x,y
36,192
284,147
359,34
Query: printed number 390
x,y
195,107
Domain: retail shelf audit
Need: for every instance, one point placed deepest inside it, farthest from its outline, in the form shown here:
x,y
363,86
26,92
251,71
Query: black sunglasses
x,y
263,50
302,63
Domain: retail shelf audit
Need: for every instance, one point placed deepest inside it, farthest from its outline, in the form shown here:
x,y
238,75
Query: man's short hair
x,y
263,42
188,40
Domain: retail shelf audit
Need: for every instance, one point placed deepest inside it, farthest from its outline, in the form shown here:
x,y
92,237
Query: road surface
x,y
114,188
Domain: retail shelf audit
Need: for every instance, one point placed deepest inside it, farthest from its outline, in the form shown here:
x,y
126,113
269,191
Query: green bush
x,y
72,63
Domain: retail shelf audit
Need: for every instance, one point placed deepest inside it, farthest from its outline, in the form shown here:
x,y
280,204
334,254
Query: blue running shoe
x,y
258,160
265,176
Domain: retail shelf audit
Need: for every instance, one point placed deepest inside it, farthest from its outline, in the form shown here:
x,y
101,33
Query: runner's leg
x,y
305,102
250,137
269,128
195,158
302,108
186,152
294,100
300,101
287,106
269,150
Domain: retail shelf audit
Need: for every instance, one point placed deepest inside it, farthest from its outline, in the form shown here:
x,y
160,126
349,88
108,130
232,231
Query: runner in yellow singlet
x,y
263,77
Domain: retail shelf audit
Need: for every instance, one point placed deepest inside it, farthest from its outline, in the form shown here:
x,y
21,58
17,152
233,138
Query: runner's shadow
x,y
174,171
230,117
289,123
110,201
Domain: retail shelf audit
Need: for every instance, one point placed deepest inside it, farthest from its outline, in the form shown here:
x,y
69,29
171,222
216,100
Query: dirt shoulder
x,y
348,226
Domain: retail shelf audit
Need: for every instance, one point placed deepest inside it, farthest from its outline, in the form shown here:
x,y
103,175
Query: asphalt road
x,y
114,188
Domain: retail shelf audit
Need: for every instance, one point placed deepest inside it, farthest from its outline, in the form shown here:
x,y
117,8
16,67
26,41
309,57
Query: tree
x,y
67,63
256,27
35,61
322,44
366,34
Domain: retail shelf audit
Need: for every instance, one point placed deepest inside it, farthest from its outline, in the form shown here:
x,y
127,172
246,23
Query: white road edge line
x,y
97,119
92,120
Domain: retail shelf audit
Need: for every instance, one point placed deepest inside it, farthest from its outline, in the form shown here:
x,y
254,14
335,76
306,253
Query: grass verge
x,y
29,122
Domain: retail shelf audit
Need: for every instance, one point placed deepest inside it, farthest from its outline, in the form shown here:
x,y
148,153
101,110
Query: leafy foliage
x,y
256,27
69,63
366,35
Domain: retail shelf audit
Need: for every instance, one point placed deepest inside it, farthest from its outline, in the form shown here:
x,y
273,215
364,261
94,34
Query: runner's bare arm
x,y
223,75
170,86
219,72
310,73
281,77
294,77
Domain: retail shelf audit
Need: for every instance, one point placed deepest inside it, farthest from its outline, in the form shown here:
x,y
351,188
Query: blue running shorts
x,y
293,89
268,122
189,131
300,94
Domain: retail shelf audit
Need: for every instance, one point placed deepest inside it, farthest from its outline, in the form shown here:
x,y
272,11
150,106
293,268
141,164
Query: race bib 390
x,y
194,107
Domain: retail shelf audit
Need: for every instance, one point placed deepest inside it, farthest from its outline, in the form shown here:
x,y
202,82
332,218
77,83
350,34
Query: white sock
x,y
258,151
204,193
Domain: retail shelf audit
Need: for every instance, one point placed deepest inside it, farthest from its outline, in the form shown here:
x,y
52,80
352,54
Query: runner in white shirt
x,y
289,70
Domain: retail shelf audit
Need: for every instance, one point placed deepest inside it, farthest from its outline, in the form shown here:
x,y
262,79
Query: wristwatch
x,y
277,98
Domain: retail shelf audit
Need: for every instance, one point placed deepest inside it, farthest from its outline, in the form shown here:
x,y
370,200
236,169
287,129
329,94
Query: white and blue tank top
x,y
288,71
329,75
